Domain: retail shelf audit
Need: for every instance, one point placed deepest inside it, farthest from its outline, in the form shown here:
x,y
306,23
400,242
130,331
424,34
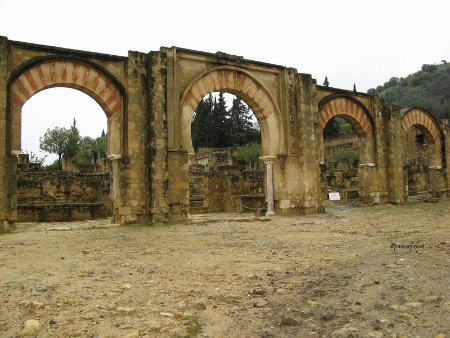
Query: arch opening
x,y
347,147
243,85
422,158
80,198
64,149
225,174
58,107
87,78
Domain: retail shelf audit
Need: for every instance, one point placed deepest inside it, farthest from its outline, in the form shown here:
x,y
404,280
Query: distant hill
x,y
428,88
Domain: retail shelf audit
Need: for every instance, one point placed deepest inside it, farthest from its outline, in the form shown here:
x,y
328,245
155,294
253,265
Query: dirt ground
x,y
334,274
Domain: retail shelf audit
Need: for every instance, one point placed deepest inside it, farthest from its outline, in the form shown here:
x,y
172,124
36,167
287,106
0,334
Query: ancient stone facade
x,y
149,99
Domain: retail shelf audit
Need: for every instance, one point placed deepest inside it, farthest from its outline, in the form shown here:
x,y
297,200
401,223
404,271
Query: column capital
x,y
268,159
113,157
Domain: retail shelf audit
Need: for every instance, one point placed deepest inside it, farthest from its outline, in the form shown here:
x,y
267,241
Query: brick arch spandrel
x,y
420,119
61,73
350,111
72,74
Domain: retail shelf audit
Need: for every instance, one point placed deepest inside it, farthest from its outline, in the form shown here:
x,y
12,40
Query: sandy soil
x,y
326,275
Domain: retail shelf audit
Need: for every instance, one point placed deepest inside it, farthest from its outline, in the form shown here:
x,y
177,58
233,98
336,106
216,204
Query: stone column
x,y
268,161
436,184
115,194
367,177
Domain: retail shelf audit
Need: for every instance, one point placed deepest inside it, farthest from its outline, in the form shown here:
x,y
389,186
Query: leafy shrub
x,y
348,155
249,153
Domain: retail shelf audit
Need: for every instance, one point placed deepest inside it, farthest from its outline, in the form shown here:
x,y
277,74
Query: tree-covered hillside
x,y
429,89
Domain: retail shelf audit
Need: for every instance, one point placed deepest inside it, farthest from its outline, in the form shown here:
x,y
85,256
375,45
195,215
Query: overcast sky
x,y
362,42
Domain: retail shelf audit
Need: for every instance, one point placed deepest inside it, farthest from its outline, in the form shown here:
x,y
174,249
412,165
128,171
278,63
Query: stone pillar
x,y
379,151
445,128
116,196
296,172
179,185
268,161
8,210
395,179
436,184
158,175
367,182
367,171
128,161
16,129
436,155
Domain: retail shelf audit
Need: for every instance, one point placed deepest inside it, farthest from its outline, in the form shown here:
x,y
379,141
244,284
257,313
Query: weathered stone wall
x,y
340,176
297,173
345,141
8,211
416,162
62,196
227,188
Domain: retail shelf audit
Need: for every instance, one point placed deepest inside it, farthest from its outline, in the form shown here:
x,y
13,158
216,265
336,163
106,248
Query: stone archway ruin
x,y
150,97
238,82
426,124
357,115
433,175
48,72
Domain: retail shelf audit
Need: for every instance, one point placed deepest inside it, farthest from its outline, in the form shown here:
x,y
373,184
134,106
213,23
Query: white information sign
x,y
334,196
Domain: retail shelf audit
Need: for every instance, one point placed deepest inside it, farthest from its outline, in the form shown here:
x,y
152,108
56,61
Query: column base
x,y
270,213
7,226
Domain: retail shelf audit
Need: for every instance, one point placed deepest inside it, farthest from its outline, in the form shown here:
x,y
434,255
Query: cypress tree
x,y
241,127
221,122
202,134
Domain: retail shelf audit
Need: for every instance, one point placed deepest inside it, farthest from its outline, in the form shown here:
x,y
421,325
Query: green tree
x,y
87,152
241,129
354,87
203,130
429,88
348,155
331,129
429,68
73,141
220,122
326,83
249,153
54,141
216,126
102,145
90,149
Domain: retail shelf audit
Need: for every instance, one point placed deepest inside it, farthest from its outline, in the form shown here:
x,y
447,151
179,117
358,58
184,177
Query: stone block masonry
x,y
47,196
